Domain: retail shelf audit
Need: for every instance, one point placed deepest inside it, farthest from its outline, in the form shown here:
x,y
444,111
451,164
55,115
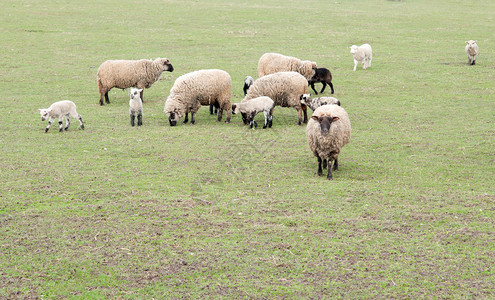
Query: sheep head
x,y
44,113
354,49
136,93
164,64
471,43
325,122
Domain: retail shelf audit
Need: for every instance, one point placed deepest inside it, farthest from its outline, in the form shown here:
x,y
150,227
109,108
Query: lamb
x,y
362,53
324,76
270,63
203,87
471,51
251,108
284,88
317,102
61,110
136,106
124,74
248,81
328,130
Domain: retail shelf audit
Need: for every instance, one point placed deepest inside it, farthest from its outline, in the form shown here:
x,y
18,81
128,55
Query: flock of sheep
x,y
282,81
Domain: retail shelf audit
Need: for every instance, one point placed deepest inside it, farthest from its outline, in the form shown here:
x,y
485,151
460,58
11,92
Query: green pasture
x,y
216,210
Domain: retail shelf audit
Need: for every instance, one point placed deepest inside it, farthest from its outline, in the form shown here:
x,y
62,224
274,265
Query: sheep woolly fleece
x,y
284,88
320,101
328,146
203,87
362,53
270,63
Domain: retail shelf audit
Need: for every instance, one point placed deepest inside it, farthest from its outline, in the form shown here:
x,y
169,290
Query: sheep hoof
x,y
82,127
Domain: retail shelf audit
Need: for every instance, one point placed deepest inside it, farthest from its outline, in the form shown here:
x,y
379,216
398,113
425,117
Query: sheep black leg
x,y
305,111
140,119
219,115
324,164
67,122
60,125
80,121
49,124
106,98
336,165
313,87
211,109
320,170
329,175
186,119
132,120
192,118
324,86
270,119
331,86
141,95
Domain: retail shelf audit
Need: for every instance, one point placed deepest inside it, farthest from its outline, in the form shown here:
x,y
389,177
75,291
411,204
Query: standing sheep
x,y
136,106
203,87
61,110
328,130
471,51
124,74
324,76
270,63
251,108
362,53
248,81
284,88
320,101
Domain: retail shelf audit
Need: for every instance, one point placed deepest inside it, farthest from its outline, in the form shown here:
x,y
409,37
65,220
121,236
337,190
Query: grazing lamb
x,y
61,110
203,87
136,106
284,88
328,130
270,63
324,76
362,53
248,81
317,102
251,108
471,51
124,74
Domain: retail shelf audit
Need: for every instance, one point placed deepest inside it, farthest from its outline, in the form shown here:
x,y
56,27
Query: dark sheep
x,y
324,76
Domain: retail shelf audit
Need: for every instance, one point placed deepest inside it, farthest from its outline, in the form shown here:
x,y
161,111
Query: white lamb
x,y
471,51
61,110
136,106
362,53
251,108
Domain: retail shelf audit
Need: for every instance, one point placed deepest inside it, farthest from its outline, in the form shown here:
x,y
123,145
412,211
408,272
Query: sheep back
x,y
328,146
270,63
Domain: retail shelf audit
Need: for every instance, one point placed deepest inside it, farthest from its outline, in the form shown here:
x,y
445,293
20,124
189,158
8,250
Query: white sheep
x,y
61,110
124,74
203,87
284,88
270,63
317,102
251,108
362,53
471,51
248,81
328,130
136,106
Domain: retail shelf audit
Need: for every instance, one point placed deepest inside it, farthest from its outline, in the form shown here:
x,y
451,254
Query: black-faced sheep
x,y
248,81
328,130
61,110
362,53
324,76
203,87
270,63
124,74
471,51
136,106
251,108
317,102
284,88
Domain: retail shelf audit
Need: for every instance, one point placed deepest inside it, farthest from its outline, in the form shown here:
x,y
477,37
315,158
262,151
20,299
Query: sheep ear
x,y
335,119
315,118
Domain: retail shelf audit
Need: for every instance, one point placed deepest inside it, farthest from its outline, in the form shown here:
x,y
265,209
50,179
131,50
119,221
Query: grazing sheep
x,y
248,81
203,87
61,110
324,76
317,102
284,88
270,63
471,51
251,108
136,106
328,130
124,74
362,53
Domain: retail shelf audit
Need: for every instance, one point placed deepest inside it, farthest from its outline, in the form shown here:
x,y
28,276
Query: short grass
x,y
217,210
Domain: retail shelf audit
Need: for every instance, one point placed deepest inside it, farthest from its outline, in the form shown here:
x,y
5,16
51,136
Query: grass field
x,y
216,210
